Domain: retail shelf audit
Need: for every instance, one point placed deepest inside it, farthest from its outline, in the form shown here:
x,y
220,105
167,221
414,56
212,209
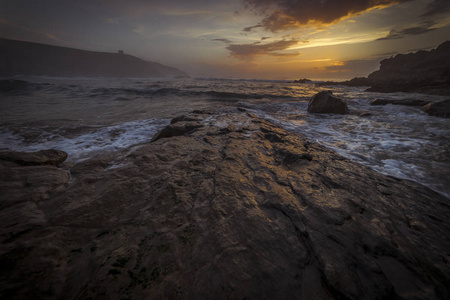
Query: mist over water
x,y
88,117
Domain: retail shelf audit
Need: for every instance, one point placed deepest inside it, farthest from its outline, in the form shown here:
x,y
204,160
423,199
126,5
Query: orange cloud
x,y
288,14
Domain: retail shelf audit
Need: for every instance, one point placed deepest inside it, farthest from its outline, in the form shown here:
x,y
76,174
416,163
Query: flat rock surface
x,y
43,157
234,209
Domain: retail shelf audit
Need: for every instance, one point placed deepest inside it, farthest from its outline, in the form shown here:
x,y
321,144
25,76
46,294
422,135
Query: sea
x,y
86,117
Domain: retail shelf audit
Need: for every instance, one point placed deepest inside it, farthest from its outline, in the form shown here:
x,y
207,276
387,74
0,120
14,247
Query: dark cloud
x,y
258,49
248,29
226,41
265,38
288,14
437,7
403,32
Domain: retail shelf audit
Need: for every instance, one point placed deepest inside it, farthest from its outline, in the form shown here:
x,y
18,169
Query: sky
x,y
260,39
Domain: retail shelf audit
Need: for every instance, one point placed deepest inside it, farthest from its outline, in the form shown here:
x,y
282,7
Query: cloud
x,y
248,29
52,36
112,21
386,54
18,32
258,49
437,7
415,30
288,14
226,41
139,29
356,67
144,8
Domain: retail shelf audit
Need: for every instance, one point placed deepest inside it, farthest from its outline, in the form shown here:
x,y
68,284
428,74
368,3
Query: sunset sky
x,y
285,39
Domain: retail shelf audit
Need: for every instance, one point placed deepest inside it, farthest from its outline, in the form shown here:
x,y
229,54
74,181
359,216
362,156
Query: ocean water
x,y
86,117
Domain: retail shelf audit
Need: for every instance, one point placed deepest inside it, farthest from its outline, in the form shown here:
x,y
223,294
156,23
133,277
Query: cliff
x,y
422,72
25,58
414,72
237,208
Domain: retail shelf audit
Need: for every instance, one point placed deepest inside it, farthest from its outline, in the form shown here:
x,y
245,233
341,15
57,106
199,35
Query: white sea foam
x,y
396,140
85,145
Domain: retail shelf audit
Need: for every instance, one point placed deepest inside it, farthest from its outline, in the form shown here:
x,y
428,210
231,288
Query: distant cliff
x,y
422,72
25,58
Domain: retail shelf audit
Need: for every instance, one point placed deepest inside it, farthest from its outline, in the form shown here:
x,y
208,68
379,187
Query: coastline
x,y
217,209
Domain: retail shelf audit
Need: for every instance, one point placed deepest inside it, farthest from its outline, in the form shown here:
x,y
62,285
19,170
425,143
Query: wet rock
x,y
438,109
176,128
407,102
365,114
43,157
183,118
256,213
325,103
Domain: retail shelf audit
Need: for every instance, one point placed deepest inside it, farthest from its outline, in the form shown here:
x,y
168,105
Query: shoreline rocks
x,y
244,210
303,80
438,109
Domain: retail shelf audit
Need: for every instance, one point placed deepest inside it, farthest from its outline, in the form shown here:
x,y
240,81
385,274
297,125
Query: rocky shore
x,y
220,205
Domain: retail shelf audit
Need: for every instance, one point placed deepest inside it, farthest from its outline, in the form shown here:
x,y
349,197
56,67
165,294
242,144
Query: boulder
x,y
325,103
438,109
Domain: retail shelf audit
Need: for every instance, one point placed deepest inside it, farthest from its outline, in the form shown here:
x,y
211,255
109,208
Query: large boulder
x,y
325,103
438,109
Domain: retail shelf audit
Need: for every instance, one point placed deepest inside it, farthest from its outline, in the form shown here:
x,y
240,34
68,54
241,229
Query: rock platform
x,y
230,207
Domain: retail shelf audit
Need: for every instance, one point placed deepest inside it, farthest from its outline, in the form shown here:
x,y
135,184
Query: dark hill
x,y
25,58
422,72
